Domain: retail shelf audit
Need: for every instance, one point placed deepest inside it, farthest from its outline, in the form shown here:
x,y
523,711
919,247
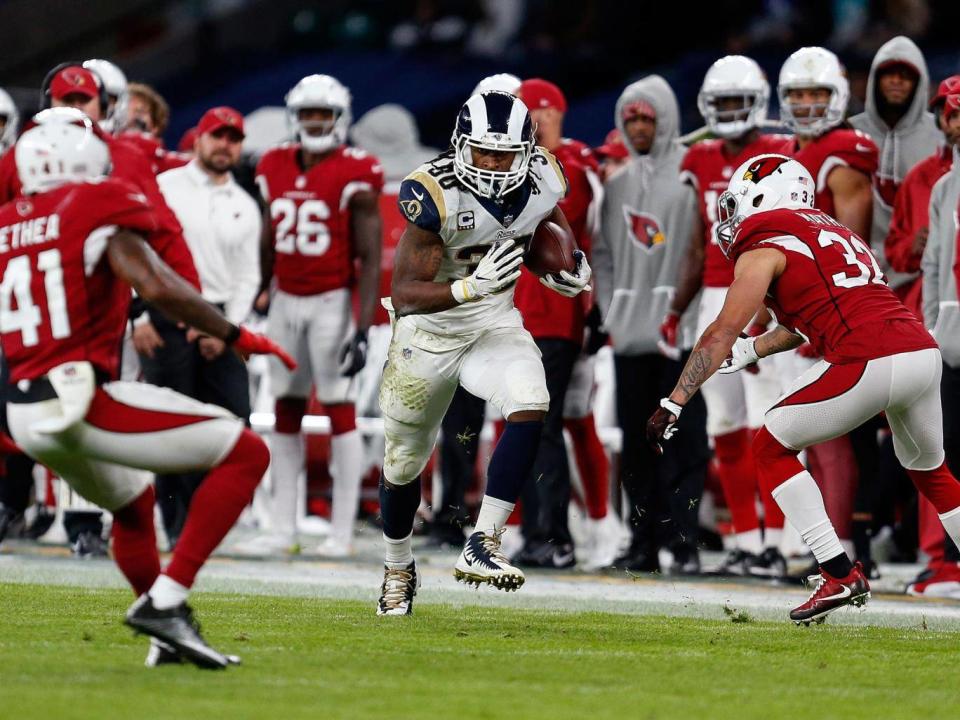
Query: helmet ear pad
x,y
46,101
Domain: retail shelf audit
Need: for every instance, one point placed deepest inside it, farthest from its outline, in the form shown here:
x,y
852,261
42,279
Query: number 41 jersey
x,y
832,290
433,199
310,214
59,298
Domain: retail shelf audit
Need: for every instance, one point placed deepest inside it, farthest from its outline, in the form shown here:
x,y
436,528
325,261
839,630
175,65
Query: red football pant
x,y
217,504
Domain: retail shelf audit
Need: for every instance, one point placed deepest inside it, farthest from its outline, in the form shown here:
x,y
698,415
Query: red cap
x,y
638,108
74,80
186,142
613,146
897,62
949,86
951,103
220,117
537,93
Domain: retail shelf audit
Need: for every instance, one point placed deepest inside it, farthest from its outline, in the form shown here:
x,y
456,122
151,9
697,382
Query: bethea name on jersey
x,y
29,232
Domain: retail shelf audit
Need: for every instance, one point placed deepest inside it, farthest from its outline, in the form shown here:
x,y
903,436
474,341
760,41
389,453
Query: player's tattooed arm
x,y
135,262
416,264
754,273
777,340
366,229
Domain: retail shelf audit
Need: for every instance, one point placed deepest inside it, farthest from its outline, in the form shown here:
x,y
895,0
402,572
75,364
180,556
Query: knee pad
x,y
343,418
288,414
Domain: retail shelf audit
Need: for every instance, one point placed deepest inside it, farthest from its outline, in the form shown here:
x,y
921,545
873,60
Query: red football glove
x,y
808,351
249,343
668,334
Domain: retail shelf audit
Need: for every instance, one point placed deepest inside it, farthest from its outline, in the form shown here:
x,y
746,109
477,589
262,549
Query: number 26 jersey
x,y
433,199
832,290
310,214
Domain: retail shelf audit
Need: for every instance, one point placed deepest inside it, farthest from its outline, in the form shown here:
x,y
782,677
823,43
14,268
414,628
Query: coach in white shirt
x,y
222,224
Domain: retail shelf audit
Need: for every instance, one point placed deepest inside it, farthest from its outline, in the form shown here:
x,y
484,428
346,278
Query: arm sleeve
x,y
930,263
418,206
247,273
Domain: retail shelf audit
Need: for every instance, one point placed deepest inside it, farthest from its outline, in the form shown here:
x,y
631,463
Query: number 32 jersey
x,y
433,199
832,290
59,298
310,214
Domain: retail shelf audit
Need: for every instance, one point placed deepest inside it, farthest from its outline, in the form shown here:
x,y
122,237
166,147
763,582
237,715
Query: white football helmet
x,y
320,91
8,109
501,82
734,76
115,83
62,148
762,183
813,67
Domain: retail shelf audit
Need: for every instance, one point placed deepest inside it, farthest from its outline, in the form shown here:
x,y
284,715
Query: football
x,y
551,250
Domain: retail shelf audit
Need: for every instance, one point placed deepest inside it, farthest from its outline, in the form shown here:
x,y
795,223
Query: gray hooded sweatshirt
x,y
941,309
647,219
912,139
390,133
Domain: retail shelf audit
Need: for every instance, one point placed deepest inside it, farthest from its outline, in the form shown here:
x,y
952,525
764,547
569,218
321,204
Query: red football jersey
x,y
59,299
709,168
547,314
310,214
127,163
152,148
837,148
832,290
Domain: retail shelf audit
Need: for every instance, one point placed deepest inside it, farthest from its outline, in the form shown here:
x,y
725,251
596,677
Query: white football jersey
x,y
432,198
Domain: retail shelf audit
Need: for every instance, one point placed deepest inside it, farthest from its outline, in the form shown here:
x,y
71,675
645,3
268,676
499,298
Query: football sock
x,y
838,567
951,523
592,464
834,466
287,456
399,553
398,507
493,514
346,465
750,541
512,460
135,542
795,491
772,514
738,478
167,593
216,505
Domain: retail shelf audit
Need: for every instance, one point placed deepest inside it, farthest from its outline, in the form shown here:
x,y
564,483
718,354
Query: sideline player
x,y
470,212
824,286
71,247
323,200
733,100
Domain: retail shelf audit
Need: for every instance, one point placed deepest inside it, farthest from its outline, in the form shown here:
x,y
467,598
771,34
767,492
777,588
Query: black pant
x,y
546,494
460,439
664,491
223,381
950,401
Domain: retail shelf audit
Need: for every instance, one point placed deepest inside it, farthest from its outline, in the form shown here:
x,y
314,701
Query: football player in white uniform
x,y
471,213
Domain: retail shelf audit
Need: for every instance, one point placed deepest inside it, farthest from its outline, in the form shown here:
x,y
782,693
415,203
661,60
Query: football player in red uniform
x,y
71,247
823,285
733,100
813,93
323,205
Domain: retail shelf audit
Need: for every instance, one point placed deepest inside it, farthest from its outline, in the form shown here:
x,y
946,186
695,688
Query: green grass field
x,y
65,654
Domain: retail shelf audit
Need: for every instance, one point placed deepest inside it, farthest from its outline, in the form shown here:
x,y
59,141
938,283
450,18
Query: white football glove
x,y
742,354
497,270
571,284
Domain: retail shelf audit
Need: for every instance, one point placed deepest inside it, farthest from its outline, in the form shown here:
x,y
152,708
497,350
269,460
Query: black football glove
x,y
596,336
353,355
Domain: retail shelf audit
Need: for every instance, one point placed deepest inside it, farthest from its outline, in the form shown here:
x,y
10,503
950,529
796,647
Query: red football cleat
x,y
831,593
943,583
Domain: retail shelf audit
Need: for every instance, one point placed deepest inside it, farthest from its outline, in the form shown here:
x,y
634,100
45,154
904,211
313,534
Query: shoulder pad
x,y
551,170
422,202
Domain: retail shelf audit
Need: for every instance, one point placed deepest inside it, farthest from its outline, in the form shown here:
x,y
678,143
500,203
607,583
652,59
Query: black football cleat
x,y
162,654
177,628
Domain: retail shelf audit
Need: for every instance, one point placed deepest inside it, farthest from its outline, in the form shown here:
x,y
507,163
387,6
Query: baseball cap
x,y
221,117
612,147
538,93
74,80
948,86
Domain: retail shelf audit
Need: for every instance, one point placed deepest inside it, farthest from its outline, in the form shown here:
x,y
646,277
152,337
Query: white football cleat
x,y
267,544
604,542
483,561
398,590
332,548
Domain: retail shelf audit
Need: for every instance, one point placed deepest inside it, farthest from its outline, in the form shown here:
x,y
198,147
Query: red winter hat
x,y
949,86
220,117
538,93
74,80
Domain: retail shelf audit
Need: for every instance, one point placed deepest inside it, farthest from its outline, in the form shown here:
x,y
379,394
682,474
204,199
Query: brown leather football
x,y
551,250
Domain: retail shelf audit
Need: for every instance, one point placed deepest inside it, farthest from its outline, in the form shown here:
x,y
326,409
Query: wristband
x,y
460,289
668,404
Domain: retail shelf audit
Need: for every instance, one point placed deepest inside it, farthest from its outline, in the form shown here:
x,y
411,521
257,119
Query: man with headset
x,y
70,84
